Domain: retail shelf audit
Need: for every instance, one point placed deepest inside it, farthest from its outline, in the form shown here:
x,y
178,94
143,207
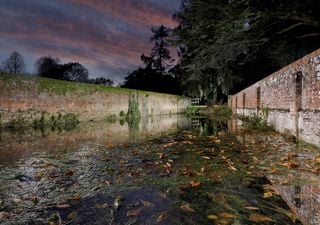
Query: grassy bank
x,y
61,87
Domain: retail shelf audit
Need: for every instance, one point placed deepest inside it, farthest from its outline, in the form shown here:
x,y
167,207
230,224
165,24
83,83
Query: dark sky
x,y
106,36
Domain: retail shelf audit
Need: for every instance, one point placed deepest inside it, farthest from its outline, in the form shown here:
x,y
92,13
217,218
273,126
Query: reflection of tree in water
x,y
208,126
133,116
133,128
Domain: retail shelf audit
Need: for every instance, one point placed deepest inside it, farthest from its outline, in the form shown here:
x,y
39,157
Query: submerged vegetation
x,y
192,110
133,116
40,121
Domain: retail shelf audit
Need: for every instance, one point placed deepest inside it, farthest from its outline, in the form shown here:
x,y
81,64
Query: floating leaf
x,y
117,202
233,168
251,208
101,206
267,194
161,155
255,217
162,216
55,219
186,207
212,217
255,159
317,159
35,199
69,173
226,215
76,198
274,170
72,216
146,203
195,183
135,212
290,164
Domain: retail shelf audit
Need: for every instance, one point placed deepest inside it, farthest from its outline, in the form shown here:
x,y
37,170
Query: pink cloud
x,y
131,11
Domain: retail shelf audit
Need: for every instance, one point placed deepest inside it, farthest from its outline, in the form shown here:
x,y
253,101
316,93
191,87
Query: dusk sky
x,y
106,36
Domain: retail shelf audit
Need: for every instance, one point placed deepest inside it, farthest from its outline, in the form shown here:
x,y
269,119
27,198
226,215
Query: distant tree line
x,y
50,67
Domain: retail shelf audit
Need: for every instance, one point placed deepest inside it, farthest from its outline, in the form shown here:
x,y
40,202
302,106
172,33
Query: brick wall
x,y
30,96
292,96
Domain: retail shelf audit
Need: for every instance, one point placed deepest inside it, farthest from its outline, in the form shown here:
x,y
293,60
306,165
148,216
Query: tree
x,y
156,75
103,81
49,67
159,58
149,79
160,52
239,42
74,72
14,64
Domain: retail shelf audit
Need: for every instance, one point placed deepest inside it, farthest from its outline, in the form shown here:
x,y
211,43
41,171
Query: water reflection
x,y
16,146
292,168
303,199
208,126
109,174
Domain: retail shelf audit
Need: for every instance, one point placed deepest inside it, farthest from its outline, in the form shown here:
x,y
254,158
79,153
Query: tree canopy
x,y
74,72
14,64
102,81
225,42
48,67
156,74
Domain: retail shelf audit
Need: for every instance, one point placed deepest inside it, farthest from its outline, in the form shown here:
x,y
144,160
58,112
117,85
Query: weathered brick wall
x,y
292,96
33,95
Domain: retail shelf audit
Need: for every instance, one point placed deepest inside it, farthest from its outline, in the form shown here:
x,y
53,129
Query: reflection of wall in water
x,y
15,147
304,200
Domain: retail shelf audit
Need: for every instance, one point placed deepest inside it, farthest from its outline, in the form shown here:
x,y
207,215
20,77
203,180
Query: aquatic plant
x,y
22,121
192,110
133,115
111,118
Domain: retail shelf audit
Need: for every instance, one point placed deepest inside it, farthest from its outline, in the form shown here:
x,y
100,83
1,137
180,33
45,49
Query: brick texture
x,y
290,93
24,95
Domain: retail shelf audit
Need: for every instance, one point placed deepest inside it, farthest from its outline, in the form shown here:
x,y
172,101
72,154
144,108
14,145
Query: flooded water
x,y
167,170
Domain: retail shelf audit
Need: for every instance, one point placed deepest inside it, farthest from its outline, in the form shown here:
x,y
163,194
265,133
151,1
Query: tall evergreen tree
x,y
160,54
155,75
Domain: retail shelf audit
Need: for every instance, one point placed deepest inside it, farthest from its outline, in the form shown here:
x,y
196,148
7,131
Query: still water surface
x,y
167,170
